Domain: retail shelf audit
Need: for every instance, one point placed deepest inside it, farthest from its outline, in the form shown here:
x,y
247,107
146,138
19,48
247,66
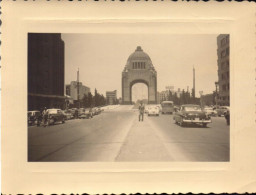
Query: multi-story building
x,y
45,71
164,95
223,69
111,97
72,90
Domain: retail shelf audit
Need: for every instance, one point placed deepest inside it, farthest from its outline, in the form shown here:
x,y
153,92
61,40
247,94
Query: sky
x,y
101,59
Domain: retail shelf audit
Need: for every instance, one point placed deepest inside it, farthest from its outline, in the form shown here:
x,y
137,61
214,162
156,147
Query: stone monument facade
x,y
139,69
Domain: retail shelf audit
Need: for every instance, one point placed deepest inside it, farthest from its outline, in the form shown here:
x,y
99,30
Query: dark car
x,y
34,117
54,116
191,114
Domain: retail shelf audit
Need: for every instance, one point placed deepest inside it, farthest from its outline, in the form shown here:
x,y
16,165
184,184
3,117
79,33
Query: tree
x,y
90,100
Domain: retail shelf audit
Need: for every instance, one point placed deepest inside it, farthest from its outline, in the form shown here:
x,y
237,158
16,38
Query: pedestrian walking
x,y
141,112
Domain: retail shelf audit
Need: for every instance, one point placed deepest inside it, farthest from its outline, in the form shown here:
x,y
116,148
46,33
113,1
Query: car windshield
x,y
192,108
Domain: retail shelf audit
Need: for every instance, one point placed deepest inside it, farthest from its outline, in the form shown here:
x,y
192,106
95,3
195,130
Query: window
x,y
223,53
223,41
227,74
222,76
222,65
224,87
227,51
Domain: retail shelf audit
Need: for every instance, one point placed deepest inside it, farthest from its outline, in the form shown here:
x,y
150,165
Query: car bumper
x,y
196,121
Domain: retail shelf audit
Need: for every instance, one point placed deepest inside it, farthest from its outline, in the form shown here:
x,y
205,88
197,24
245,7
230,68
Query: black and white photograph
x,y
95,97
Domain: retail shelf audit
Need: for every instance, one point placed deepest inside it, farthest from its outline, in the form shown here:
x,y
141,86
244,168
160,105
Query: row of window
x,y
139,65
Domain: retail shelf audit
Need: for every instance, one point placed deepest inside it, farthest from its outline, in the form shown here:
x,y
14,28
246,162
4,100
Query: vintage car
x,y
85,113
68,114
94,111
221,110
153,110
210,111
146,109
191,114
54,116
34,117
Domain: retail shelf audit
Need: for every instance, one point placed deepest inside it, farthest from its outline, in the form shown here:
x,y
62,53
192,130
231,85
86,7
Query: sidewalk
x,y
142,144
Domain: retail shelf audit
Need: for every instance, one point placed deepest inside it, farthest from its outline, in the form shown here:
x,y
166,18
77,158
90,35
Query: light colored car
x,y
68,114
85,113
210,111
54,116
221,110
153,110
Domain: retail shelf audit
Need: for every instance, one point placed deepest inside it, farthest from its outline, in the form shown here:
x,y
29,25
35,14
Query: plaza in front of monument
x,y
115,133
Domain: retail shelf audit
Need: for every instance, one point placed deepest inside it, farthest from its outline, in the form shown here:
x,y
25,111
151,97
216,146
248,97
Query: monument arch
x,y
139,69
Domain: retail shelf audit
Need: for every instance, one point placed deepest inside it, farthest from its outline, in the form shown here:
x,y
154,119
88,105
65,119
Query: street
x,y
117,135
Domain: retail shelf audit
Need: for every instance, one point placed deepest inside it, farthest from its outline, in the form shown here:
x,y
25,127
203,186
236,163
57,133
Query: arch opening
x,y
139,92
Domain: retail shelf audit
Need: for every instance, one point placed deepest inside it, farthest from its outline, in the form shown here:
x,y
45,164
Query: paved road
x,y
117,135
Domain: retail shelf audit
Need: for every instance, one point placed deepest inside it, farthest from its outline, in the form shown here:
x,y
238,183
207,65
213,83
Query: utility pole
x,y
78,98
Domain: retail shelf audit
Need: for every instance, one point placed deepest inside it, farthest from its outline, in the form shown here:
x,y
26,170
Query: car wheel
x,y
63,121
204,124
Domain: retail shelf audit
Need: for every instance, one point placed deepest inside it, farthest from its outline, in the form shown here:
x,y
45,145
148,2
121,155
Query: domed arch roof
x,y
139,54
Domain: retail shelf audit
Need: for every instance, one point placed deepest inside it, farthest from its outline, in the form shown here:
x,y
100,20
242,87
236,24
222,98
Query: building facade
x,y
72,91
111,97
45,71
223,70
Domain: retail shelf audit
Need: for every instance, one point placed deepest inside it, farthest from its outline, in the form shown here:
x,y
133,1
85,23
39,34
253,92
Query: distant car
x,y
54,116
34,117
221,110
153,110
85,113
94,111
210,111
68,115
167,107
98,110
191,114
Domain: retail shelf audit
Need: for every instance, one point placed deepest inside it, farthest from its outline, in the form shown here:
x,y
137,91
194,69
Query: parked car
x,y
98,110
34,117
68,115
85,113
153,110
94,111
146,109
54,116
210,111
221,110
191,114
